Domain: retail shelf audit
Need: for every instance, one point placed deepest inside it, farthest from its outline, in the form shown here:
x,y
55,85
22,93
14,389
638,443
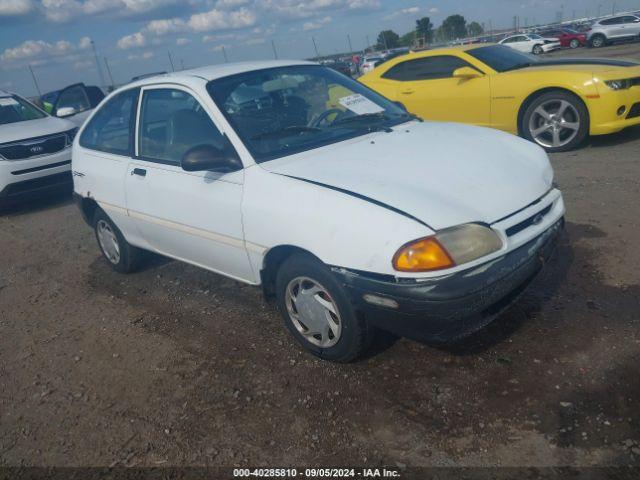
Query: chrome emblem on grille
x,y
36,149
537,219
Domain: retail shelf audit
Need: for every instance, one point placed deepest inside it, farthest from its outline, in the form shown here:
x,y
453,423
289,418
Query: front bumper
x,y
22,180
446,308
604,118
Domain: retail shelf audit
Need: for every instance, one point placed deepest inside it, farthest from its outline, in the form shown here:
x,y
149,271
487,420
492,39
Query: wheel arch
x,y
272,260
538,93
88,207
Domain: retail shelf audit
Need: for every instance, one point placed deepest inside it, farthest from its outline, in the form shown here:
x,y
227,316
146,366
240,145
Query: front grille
x,y
532,220
33,147
634,111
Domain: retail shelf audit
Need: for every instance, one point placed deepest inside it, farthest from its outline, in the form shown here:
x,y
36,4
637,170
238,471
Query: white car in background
x,y
369,63
35,151
531,43
619,28
349,210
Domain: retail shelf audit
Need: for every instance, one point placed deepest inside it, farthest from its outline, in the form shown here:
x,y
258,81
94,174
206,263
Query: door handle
x,y
407,91
139,171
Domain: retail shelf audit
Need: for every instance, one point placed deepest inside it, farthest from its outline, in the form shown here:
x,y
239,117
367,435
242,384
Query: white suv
x,y
623,27
35,151
350,211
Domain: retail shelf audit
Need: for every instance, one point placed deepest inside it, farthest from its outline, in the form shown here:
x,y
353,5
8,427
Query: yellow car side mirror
x,y
466,73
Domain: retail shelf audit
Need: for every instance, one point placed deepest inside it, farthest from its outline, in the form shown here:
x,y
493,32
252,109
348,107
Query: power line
x,y
106,64
95,53
171,61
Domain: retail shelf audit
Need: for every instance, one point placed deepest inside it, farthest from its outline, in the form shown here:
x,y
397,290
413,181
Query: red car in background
x,y
567,37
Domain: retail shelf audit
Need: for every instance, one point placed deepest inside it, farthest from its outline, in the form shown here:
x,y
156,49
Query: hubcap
x,y
313,312
554,123
597,42
108,242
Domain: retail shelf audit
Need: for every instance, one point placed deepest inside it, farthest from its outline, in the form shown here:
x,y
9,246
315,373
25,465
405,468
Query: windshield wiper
x,y
286,132
345,122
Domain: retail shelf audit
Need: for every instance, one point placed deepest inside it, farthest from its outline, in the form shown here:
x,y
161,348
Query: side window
x,y
428,68
110,129
611,21
629,19
172,122
74,97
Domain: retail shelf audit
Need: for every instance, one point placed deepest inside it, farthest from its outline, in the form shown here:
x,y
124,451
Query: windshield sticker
x,y
360,105
8,102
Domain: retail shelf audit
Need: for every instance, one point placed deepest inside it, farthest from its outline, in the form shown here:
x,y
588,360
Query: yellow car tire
x,y
557,121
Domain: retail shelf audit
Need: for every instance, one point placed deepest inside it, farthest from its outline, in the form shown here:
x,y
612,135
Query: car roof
x,y
4,93
213,72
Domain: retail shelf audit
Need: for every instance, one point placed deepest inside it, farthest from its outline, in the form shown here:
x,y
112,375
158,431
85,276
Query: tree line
x,y
453,27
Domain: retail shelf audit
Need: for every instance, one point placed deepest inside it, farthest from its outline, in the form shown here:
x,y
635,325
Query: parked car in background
x,y
75,102
369,63
531,43
568,38
614,29
556,103
35,151
342,67
335,200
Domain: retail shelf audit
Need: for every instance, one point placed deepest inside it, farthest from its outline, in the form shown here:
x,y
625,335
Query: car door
x,y
631,26
192,216
426,86
615,27
76,102
100,161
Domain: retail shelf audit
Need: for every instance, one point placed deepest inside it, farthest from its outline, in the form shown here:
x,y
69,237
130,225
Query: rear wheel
x,y
557,121
537,50
598,41
122,256
317,311
575,43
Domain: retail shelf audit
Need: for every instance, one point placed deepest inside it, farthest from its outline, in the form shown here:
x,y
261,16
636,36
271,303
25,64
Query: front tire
x,y
317,311
598,41
537,50
121,256
575,43
557,121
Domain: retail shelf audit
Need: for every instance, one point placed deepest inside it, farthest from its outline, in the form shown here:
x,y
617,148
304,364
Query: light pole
x,y
35,81
315,47
350,46
95,54
106,64
275,52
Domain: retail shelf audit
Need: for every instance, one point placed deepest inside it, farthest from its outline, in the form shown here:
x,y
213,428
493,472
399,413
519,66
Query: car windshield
x,y
14,109
286,110
503,59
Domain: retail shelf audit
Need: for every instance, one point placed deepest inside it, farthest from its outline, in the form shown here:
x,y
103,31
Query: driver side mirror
x,y
466,73
65,112
209,157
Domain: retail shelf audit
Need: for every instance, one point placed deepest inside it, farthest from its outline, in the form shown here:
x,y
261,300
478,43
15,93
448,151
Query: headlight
x,y
618,84
450,247
71,134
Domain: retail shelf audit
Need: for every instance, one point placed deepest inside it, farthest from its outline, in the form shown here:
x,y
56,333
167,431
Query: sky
x,y
56,37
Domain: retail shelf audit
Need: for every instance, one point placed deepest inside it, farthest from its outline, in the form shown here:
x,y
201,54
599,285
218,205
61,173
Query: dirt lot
x,y
178,366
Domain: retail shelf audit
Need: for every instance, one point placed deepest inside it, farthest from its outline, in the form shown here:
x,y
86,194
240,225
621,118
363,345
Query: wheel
x,y
122,256
317,311
557,121
575,43
537,49
598,41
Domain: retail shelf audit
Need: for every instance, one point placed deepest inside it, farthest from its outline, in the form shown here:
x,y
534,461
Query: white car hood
x,y
443,174
13,132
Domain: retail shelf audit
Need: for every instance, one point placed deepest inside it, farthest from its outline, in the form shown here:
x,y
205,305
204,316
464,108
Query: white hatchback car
x,y
35,151
350,211
531,43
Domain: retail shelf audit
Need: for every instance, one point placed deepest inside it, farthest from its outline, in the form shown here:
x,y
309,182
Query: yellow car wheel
x,y
557,121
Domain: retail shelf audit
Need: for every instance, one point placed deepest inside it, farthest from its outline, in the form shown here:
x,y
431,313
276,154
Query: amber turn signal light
x,y
423,255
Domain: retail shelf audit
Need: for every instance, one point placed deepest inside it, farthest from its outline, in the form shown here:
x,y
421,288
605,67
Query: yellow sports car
x,y
556,103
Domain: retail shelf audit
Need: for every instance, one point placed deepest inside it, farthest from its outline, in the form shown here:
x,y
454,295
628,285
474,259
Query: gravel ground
x,y
177,366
